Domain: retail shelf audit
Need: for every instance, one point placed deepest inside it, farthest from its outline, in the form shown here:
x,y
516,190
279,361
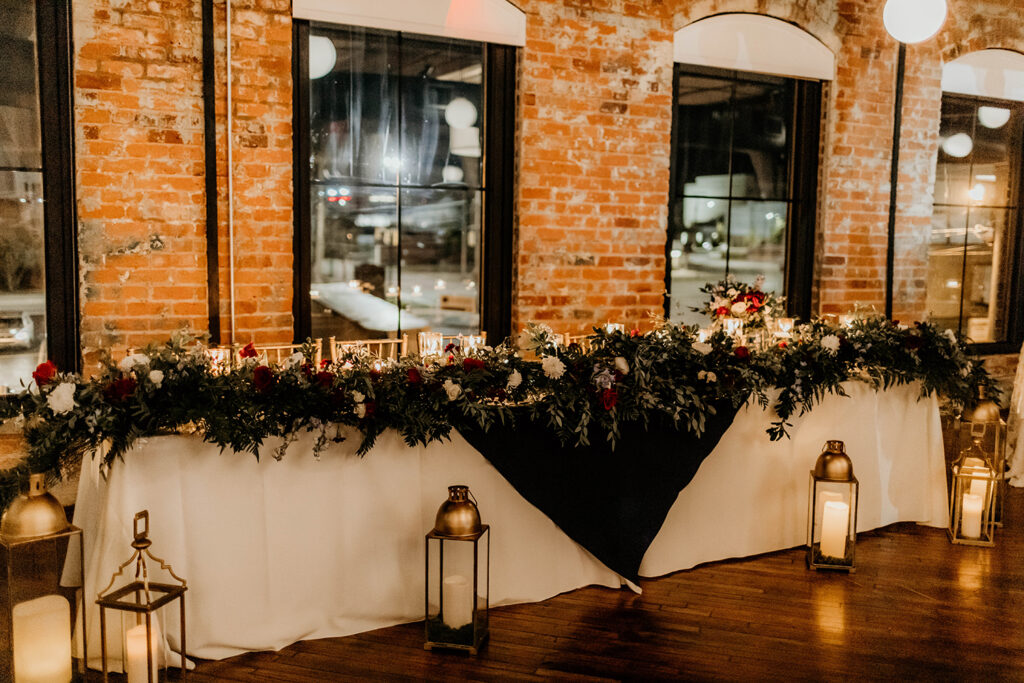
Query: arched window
x,y
746,123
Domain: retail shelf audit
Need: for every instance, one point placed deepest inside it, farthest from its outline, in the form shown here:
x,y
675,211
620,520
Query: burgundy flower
x,y
120,389
721,311
371,408
324,363
635,332
262,378
469,364
324,379
450,348
45,373
742,352
609,397
414,376
249,351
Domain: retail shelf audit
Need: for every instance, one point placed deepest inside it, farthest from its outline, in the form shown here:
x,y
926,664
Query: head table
x,y
280,551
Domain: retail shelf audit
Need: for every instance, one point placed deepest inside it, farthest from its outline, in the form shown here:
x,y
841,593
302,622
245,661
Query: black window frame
x,y
804,160
498,177
1015,287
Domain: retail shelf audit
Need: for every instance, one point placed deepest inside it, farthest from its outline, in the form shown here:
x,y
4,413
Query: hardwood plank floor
x,y
918,608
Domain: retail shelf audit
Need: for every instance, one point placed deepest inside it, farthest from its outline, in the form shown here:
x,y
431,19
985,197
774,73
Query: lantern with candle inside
x,y
733,327
832,514
142,599
972,498
783,328
430,343
457,575
38,615
984,424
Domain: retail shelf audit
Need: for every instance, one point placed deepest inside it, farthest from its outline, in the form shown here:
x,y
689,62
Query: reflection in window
x,y
22,303
733,192
970,256
396,183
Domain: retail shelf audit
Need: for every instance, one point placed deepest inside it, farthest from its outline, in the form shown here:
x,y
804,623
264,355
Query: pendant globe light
x,y
913,21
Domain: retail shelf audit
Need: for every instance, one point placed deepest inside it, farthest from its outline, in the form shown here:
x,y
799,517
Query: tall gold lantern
x,y
832,511
973,493
457,575
985,425
139,602
37,615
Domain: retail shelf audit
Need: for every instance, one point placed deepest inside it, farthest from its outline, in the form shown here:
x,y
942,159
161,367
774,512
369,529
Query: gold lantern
x,y
37,615
457,575
985,425
974,491
832,515
139,602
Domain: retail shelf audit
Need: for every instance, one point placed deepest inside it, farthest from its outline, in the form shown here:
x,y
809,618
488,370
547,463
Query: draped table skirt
x,y
280,551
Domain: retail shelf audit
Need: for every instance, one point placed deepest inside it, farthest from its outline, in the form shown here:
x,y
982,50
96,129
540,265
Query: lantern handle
x,y
472,498
144,516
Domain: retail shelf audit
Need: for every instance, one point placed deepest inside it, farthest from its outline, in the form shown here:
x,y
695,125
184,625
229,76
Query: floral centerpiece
x,y
730,298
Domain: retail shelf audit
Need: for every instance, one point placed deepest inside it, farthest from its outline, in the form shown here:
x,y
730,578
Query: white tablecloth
x,y
276,552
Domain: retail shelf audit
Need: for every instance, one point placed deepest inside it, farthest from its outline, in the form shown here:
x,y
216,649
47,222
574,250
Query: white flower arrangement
x,y
156,377
830,343
62,398
452,389
129,362
514,380
553,367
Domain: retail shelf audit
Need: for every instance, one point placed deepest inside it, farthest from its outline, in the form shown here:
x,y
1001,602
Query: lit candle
x,y
614,327
970,518
979,481
733,326
847,319
457,601
784,326
703,334
42,640
135,652
824,497
835,524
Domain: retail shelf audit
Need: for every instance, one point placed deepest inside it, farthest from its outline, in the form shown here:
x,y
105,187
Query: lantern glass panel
x,y
832,533
972,505
457,586
990,439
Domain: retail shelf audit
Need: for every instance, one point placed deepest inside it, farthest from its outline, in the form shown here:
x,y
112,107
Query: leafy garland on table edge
x,y
663,375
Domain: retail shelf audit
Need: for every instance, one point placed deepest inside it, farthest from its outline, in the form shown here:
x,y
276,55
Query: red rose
x,y
634,332
44,374
414,376
262,378
721,311
324,363
783,344
742,352
324,379
609,397
249,351
450,348
120,389
469,364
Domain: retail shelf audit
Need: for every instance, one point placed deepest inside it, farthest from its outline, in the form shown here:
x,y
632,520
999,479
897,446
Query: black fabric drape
x,y
612,503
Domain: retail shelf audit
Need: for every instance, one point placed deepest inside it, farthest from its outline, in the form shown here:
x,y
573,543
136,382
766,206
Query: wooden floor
x,y
918,608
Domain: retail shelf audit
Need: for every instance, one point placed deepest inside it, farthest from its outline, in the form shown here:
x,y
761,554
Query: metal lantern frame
x,y
434,623
967,480
823,475
992,436
32,568
142,597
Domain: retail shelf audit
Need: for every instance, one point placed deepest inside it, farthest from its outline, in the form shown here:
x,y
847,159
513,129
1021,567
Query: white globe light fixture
x,y
958,145
913,21
460,113
322,56
452,174
993,117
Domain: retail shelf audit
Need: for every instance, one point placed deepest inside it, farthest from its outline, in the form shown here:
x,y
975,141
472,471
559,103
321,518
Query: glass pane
x,y
757,242
354,237
956,134
703,125
760,157
697,250
353,105
22,296
987,274
441,261
442,112
946,266
994,154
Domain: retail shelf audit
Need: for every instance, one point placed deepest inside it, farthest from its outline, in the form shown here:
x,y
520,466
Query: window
x,y
404,184
744,185
975,220
37,266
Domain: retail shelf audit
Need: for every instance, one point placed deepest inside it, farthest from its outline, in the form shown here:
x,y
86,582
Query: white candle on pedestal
x,y
135,652
457,601
42,640
835,524
970,516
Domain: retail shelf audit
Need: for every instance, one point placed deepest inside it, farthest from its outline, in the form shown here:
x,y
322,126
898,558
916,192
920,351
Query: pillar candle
x,y
457,601
42,640
824,497
835,524
970,516
979,482
135,652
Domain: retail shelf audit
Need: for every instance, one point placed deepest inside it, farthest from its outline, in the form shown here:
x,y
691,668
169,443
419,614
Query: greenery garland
x,y
580,394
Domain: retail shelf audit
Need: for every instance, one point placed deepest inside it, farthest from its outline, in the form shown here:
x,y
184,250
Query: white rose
x,y
830,343
452,389
732,293
524,340
62,398
156,377
739,308
358,397
360,410
622,365
951,336
514,380
553,367
296,358
131,361
702,347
